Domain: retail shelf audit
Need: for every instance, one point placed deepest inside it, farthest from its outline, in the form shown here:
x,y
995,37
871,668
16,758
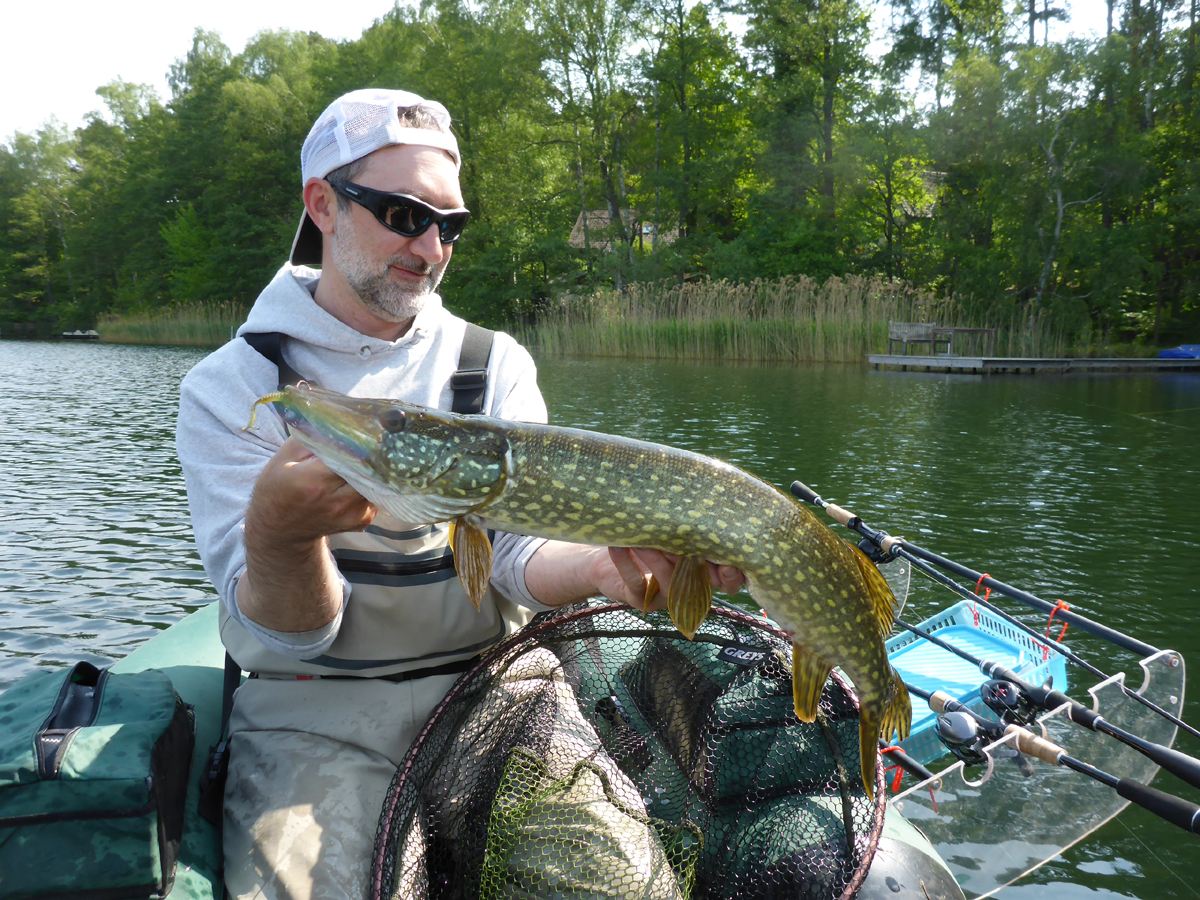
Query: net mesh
x,y
598,753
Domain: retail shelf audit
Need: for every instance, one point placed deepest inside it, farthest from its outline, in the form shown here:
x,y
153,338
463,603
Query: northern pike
x,y
424,465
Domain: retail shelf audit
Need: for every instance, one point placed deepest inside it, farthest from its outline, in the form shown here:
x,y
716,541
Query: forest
x,y
610,143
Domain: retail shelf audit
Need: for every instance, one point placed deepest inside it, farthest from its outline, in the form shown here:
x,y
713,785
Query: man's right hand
x,y
291,584
297,499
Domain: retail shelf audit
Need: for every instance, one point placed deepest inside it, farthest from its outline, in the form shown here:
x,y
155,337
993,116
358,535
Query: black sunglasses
x,y
404,214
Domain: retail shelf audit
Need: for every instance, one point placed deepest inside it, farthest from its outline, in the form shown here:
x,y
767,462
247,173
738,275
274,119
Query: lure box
x,y
983,635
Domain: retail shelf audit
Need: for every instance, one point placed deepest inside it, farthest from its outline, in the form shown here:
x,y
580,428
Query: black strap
x,y
270,345
216,767
469,383
450,668
233,678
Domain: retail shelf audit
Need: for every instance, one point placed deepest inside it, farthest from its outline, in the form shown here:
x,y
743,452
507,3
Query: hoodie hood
x,y
286,305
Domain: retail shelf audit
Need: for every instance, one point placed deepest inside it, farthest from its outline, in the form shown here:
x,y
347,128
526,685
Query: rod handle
x,y
1175,810
838,514
1032,745
806,494
941,702
1182,766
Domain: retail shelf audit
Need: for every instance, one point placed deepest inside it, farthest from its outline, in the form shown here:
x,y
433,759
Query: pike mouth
x,y
333,425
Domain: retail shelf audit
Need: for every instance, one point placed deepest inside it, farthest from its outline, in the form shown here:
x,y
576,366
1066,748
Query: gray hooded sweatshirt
x,y
221,462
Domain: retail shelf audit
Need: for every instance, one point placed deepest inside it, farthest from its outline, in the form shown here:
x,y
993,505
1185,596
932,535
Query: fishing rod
x,y
962,729
1014,700
899,546
894,546
905,762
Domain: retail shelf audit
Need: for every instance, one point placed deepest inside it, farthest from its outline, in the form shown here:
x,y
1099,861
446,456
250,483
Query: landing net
x,y
600,754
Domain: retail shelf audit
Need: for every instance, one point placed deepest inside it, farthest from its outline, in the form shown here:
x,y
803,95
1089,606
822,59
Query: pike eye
x,y
393,420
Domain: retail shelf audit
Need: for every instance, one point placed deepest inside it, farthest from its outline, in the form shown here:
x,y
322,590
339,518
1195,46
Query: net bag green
x,y
598,753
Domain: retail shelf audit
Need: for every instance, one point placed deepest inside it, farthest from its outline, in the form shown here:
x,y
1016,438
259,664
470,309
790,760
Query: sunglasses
x,y
404,214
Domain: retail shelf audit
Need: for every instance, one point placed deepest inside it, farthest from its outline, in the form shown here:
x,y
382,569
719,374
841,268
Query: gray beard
x,y
391,302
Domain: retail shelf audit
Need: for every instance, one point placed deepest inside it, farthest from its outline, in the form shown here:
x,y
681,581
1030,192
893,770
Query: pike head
x,y
421,465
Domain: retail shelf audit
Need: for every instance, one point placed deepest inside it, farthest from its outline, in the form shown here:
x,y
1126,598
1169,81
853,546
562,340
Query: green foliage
x,y
1058,181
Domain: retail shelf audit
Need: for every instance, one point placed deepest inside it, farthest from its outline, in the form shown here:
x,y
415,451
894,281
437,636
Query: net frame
x,y
389,835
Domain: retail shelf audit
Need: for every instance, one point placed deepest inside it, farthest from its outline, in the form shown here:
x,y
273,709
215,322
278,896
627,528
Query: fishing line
x,y
1158,858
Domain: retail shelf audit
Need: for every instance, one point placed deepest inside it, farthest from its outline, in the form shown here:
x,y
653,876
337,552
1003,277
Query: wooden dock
x,y
991,364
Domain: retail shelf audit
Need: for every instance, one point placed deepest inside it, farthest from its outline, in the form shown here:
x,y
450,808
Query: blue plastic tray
x,y
931,668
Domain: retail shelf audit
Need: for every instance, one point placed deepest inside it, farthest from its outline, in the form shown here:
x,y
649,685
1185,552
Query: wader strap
x,y
233,678
216,767
452,668
270,345
469,383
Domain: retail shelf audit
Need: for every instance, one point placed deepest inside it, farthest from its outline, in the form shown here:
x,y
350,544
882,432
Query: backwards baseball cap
x,y
353,126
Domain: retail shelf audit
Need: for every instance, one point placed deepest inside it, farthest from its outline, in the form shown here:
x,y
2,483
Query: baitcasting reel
x,y
1008,702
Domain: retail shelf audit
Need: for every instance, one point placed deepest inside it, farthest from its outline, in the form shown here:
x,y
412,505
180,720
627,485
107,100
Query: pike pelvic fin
x,y
652,590
809,674
689,595
879,592
472,557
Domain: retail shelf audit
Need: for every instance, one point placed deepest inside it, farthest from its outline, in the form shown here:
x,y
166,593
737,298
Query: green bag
x,y
93,777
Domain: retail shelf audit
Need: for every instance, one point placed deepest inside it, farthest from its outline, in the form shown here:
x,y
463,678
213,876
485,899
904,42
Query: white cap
x,y
352,126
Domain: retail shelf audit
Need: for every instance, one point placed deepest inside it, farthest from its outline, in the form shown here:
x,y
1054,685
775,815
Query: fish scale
x,y
425,465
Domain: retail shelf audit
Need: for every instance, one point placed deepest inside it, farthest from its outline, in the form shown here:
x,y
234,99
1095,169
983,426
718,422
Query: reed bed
x,y
791,319
207,324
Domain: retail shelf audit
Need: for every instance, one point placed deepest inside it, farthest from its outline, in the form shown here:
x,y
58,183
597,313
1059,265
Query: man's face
x,y
394,275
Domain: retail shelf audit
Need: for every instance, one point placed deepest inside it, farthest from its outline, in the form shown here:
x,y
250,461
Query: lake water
x,y
1083,487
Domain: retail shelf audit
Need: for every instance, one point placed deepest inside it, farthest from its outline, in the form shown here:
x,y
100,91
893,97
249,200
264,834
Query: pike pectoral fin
x,y
472,557
689,595
879,592
809,674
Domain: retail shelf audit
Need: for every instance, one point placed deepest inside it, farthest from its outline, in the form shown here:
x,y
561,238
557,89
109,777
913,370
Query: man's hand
x,y
290,583
561,573
298,499
625,578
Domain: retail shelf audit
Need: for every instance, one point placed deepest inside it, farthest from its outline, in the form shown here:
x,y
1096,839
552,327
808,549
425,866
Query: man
x,y
352,622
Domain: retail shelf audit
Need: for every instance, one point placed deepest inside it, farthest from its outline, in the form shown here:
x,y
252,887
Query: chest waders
x,y
371,562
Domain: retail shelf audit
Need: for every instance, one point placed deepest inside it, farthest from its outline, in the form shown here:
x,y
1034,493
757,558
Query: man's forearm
x,y
560,573
289,588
